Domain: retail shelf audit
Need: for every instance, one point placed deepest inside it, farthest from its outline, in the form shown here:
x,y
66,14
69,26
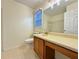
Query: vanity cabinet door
x,y
39,47
36,45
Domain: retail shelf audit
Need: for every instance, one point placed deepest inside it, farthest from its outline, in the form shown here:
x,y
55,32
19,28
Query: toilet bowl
x,y
29,40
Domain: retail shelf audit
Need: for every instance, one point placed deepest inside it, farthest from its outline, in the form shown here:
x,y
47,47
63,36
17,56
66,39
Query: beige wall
x,y
56,23
17,23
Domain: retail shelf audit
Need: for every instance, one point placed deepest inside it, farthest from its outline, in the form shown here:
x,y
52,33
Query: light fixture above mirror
x,y
57,2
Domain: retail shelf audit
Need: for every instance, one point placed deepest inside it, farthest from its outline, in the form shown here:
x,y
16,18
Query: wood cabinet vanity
x,y
45,49
39,47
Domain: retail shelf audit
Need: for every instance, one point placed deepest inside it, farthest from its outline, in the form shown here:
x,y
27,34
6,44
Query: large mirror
x,y
62,17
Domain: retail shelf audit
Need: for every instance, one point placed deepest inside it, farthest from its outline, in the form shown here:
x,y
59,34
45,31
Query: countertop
x,y
69,42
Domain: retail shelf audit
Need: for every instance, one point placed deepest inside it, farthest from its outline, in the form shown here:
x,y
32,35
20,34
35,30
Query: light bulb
x,y
51,5
58,3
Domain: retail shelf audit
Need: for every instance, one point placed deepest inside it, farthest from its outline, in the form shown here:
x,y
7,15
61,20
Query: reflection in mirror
x,y
62,18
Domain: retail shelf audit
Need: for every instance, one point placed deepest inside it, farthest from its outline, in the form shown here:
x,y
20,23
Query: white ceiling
x,y
58,9
32,3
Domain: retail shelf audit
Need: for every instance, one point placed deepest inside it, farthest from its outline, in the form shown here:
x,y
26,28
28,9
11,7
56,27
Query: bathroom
x,y
18,25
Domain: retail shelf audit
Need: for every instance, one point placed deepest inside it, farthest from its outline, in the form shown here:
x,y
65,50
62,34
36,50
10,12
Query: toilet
x,y
29,40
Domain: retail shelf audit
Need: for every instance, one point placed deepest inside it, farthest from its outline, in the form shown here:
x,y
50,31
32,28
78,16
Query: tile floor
x,y
23,52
